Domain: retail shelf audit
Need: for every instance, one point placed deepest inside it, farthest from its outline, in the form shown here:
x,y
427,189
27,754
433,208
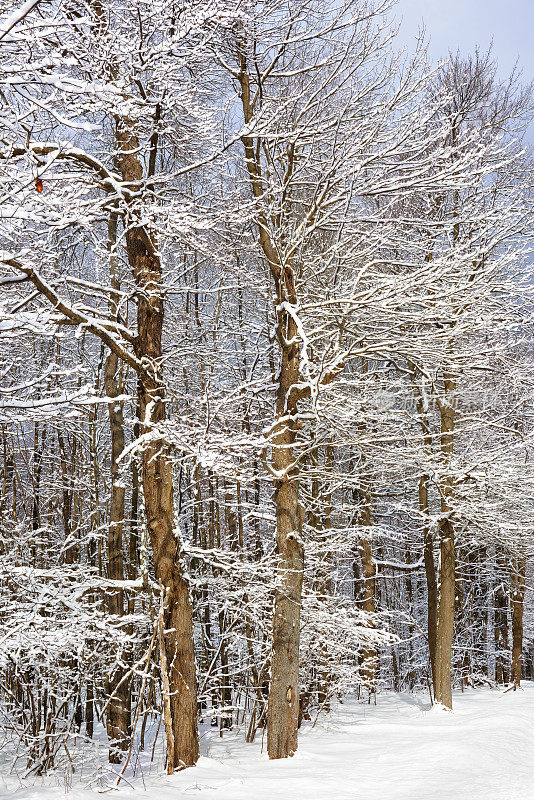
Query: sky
x,y
462,24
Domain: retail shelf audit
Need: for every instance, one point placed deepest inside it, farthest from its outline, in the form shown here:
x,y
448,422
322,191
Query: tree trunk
x,y
156,469
428,540
119,706
89,709
501,634
445,626
368,598
118,720
445,617
431,581
518,597
283,707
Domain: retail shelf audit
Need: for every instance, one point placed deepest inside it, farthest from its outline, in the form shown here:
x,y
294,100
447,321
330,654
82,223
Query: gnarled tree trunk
x,y
156,469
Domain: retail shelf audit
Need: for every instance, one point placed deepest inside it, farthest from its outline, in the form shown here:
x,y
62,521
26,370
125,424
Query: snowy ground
x,y
399,749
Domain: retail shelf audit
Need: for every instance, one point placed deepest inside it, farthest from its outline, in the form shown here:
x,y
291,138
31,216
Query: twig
x,y
141,694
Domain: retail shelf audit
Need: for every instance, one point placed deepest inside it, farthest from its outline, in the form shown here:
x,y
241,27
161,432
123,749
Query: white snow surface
x,y
400,749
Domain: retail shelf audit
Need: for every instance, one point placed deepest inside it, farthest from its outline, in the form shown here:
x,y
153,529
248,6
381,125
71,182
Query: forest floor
x,y
400,749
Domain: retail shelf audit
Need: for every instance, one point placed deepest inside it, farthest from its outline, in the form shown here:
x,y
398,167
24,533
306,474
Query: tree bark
x,y
431,581
156,469
501,634
283,707
445,626
518,597
283,704
428,540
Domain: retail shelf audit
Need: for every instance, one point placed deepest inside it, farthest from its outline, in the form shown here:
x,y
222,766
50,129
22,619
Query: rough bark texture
x,y
156,471
447,566
445,617
283,714
283,704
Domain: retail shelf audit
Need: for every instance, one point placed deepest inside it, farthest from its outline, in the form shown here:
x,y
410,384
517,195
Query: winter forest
x,y
266,386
